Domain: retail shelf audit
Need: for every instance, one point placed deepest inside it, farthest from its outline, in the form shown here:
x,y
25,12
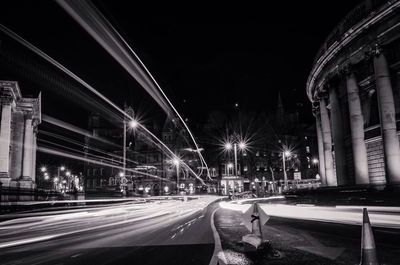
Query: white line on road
x,y
28,241
218,254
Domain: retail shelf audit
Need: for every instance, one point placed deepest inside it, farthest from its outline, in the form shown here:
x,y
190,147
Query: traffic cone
x,y
368,250
255,222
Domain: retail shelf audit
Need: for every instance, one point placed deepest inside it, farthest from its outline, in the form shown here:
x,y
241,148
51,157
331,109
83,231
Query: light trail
x,y
101,159
118,223
75,129
91,19
62,153
380,216
68,140
49,59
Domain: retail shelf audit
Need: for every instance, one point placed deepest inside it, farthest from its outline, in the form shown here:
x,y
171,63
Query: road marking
x,y
28,241
76,255
218,255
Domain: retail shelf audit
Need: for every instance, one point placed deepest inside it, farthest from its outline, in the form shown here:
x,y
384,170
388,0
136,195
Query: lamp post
x,y
285,154
176,162
235,145
132,124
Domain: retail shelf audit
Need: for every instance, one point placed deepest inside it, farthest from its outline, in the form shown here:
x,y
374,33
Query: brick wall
x,y
376,164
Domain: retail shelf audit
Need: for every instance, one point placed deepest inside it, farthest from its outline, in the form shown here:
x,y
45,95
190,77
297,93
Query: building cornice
x,y
344,40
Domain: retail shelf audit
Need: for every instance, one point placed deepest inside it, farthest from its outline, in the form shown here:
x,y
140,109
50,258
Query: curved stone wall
x,y
354,87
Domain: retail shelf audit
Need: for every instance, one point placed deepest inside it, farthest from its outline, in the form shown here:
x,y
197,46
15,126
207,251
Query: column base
x,y
4,179
26,183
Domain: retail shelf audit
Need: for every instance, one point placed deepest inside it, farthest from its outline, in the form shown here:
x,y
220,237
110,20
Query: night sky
x,y
204,60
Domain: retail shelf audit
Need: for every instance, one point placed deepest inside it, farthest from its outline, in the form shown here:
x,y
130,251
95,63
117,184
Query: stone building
x,y
354,86
148,169
20,117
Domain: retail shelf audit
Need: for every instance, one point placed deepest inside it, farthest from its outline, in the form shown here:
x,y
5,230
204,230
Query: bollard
x,y
368,249
255,222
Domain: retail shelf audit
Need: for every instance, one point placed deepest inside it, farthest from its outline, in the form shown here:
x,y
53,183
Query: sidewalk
x,y
303,242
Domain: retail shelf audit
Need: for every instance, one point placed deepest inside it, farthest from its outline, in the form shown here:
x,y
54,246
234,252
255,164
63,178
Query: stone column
x,y
357,131
338,138
327,140
320,150
34,145
17,141
27,158
387,117
5,138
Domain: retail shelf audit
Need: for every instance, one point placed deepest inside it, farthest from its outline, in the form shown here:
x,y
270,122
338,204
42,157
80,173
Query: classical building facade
x,y
354,87
20,117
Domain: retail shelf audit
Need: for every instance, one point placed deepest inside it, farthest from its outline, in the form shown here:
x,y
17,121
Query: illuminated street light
x,y
68,173
285,154
242,145
121,174
133,124
228,146
176,162
43,169
315,161
62,168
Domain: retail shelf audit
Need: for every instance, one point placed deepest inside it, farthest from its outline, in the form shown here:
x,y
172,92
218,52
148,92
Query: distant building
x,y
355,91
148,170
261,162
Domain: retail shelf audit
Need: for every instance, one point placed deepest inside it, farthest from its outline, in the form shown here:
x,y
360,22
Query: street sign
x,y
297,175
249,217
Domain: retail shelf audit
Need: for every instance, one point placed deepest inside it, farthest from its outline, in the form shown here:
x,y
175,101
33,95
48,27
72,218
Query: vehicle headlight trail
x,y
49,59
73,128
90,18
108,155
62,153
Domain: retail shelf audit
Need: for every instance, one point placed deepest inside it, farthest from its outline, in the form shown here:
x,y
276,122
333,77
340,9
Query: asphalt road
x,y
177,232
165,232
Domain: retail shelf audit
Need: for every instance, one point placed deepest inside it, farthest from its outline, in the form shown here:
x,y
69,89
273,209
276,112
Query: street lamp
x,y
228,147
43,169
176,162
285,153
133,124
